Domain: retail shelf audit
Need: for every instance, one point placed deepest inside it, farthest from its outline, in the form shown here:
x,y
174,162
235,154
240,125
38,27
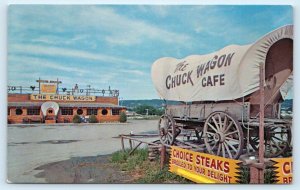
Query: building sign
x,y
57,97
203,168
48,88
283,169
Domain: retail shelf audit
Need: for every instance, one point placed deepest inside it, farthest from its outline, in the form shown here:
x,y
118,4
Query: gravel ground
x,y
33,147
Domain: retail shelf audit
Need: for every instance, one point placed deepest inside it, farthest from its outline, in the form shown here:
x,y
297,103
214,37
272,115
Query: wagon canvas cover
x,y
230,73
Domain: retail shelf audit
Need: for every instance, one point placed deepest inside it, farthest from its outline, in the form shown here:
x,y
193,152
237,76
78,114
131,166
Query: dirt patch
x,y
44,142
96,169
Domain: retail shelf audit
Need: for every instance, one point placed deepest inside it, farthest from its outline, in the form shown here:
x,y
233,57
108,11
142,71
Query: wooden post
x,y
254,175
39,85
162,156
134,148
130,144
122,142
261,122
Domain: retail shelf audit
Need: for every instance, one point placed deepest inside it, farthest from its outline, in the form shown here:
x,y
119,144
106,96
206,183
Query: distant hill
x,y
157,103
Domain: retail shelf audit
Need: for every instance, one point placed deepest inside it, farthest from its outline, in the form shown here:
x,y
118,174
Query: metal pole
x,y
261,122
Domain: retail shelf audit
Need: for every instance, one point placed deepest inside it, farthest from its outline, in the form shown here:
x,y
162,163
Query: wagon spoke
x,y
278,147
233,132
220,122
233,140
284,132
228,127
270,147
277,138
212,134
214,146
228,150
219,148
231,146
216,123
223,150
169,138
213,127
225,122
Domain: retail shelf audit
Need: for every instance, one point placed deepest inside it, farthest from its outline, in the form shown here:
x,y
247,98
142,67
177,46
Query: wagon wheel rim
x,y
166,129
223,135
277,140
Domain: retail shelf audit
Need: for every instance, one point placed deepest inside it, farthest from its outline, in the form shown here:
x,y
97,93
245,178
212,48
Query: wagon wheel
x,y
277,140
167,130
223,135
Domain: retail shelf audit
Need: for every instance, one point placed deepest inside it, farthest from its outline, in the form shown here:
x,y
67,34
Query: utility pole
x,y
88,90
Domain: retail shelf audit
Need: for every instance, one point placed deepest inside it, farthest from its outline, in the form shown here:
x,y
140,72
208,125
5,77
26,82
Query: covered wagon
x,y
219,95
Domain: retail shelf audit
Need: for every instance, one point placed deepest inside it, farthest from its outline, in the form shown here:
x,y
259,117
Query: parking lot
x,y
30,146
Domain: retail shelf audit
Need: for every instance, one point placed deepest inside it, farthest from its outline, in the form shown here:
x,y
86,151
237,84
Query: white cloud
x,y
134,71
125,31
64,52
19,63
100,21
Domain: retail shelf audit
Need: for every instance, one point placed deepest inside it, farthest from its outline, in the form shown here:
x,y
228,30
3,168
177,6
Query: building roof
x,y
79,104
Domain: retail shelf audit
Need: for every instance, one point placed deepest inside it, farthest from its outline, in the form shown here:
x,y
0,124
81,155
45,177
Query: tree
x,y
123,117
93,119
143,109
76,119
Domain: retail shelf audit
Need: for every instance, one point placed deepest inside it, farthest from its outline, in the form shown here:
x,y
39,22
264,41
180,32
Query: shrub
x,y
76,119
93,119
123,117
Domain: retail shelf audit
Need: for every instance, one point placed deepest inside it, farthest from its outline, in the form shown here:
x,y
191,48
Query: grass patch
x,y
142,170
155,175
129,162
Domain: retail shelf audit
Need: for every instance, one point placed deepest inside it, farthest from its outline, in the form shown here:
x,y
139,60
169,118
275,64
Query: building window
x,y
19,111
104,112
79,111
8,111
33,111
115,112
66,111
92,111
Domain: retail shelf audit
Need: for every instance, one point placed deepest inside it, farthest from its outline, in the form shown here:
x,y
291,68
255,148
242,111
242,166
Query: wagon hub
x,y
219,137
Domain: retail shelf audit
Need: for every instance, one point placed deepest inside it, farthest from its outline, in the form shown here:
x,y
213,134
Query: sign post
x,y
261,152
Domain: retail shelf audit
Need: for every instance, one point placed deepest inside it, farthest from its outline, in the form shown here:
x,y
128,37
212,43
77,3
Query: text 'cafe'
x,y
48,103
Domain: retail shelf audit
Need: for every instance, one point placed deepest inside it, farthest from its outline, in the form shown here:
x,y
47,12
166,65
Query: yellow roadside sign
x,y
284,170
203,168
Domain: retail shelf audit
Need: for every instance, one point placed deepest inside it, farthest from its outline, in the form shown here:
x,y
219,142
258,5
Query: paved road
x,y
30,147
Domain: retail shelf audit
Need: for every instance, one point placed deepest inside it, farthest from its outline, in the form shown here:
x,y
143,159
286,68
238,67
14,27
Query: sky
x,y
115,45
